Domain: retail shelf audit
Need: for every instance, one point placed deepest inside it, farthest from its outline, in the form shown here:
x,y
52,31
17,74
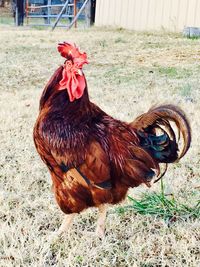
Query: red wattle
x,y
73,82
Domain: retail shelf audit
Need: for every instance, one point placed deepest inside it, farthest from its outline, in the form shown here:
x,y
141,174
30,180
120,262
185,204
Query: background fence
x,y
147,15
46,12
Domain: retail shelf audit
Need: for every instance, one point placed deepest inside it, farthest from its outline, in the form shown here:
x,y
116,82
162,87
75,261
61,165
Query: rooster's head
x,y
73,79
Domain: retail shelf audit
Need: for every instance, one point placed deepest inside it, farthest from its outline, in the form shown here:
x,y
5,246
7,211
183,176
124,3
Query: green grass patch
x,y
162,206
185,90
7,20
168,71
173,72
166,207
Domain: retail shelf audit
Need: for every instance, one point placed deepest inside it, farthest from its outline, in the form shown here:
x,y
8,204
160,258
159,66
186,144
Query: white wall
x,y
147,15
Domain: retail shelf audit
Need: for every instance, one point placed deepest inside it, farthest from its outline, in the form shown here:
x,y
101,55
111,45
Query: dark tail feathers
x,y
157,135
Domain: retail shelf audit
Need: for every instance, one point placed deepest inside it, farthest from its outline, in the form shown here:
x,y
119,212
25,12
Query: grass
x,y
169,209
128,73
160,205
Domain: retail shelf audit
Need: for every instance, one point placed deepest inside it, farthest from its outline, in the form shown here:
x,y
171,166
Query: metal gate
x,y
53,13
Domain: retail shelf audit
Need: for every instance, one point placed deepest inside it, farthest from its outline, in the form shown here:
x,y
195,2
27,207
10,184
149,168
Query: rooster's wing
x,y
82,185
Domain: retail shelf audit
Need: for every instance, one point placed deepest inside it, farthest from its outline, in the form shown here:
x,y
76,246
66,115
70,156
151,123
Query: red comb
x,y
70,51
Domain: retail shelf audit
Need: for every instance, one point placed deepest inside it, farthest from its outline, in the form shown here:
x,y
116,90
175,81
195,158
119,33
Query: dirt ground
x,y
128,73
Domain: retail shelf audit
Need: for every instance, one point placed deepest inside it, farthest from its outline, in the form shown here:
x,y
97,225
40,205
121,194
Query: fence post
x,y
19,13
77,15
27,12
49,12
16,17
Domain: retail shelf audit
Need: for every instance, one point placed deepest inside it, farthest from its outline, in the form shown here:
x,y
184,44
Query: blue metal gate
x,y
45,12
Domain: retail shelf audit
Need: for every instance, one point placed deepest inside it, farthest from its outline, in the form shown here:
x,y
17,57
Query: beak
x,y
79,71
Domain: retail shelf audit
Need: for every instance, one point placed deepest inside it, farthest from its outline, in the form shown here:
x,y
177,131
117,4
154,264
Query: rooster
x,y
93,158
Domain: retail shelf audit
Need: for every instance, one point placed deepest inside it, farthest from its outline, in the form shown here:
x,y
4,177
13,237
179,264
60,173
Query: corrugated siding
x,y
147,15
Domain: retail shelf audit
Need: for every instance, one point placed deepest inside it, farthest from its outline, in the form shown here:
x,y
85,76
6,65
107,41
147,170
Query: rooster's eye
x,y
68,64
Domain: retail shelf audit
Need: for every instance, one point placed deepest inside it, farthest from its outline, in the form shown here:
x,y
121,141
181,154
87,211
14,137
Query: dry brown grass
x,y
128,73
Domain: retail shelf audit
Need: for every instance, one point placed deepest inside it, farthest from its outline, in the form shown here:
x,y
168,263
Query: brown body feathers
x,y
93,158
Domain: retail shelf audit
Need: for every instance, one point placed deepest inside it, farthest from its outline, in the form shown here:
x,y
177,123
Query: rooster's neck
x,y
59,106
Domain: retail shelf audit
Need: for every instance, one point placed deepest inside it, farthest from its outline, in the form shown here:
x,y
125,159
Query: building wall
x,y
146,15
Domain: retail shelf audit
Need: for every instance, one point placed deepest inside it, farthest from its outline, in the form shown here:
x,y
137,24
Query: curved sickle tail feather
x,y
163,148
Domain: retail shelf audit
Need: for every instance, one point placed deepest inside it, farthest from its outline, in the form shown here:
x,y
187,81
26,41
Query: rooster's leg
x,y
66,224
100,230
